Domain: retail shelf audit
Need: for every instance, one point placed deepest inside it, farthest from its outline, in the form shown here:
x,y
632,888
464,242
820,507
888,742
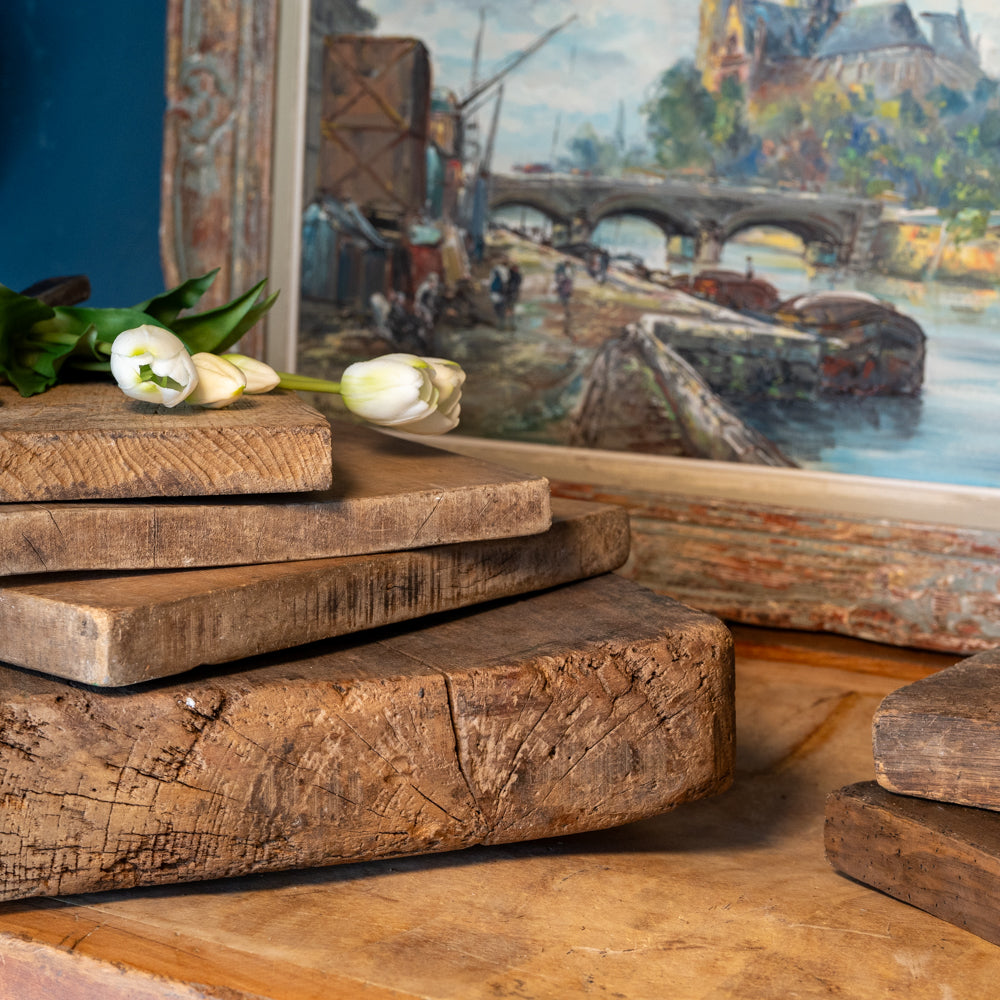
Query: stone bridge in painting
x,y
842,227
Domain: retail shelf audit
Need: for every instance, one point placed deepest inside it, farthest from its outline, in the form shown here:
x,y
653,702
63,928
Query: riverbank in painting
x,y
526,383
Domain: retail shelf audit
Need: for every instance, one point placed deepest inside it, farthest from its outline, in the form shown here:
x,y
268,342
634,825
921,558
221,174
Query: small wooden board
x,y
939,738
388,494
942,858
579,708
120,629
91,442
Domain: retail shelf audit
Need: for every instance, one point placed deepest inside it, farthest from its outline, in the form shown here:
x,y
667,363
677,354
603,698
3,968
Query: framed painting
x,y
732,264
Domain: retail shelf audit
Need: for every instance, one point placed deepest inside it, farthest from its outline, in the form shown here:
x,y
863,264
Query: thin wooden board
x,y
91,442
942,858
939,738
387,495
578,708
113,630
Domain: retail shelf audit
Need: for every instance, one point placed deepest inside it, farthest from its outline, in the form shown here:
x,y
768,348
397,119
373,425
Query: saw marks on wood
x,y
388,494
939,738
91,442
579,708
121,629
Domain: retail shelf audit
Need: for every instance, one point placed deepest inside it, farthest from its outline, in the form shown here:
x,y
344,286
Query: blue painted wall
x,y
81,121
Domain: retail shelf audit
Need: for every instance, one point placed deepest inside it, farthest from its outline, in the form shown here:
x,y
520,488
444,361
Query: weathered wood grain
x,y
911,584
114,630
915,565
217,147
942,858
91,442
578,708
939,738
727,897
387,495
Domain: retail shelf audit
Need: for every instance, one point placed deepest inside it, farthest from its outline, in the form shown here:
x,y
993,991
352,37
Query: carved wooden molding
x,y
218,135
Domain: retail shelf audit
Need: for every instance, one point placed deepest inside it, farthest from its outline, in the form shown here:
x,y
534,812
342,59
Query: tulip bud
x,y
260,377
447,377
391,390
152,364
220,382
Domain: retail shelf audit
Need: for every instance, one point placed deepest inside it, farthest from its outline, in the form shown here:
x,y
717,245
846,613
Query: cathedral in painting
x,y
769,47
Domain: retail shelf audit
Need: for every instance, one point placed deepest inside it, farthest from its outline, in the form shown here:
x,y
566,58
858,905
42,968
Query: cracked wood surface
x,y
387,495
578,708
91,442
127,628
729,896
939,737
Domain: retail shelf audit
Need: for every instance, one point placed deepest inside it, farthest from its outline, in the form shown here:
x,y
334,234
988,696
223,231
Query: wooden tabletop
x,y
728,897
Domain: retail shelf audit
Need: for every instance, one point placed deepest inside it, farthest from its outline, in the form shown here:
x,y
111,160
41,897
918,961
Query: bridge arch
x,y
670,220
808,226
541,205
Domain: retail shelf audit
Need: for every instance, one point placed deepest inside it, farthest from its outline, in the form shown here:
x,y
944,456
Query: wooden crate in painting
x,y
375,113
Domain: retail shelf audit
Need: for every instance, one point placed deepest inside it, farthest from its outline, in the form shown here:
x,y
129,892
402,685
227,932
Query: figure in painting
x,y
427,306
564,289
499,280
512,291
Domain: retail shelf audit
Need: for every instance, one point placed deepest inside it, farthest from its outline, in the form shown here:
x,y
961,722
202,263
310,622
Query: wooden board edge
x,y
948,878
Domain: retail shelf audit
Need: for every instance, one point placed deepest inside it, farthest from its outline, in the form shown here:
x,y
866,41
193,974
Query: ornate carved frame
x,y
221,183
908,563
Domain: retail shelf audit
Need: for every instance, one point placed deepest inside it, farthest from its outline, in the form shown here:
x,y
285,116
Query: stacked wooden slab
x,y
252,642
927,830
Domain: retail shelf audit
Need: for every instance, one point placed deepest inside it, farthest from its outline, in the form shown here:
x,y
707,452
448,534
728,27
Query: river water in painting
x,y
949,434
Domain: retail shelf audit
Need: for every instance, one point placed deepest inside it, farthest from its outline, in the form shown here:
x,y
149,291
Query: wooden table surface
x,y
727,897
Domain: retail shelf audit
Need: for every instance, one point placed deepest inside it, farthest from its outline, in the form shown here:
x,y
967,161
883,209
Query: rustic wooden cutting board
x,y
942,858
91,442
578,708
113,630
939,738
387,494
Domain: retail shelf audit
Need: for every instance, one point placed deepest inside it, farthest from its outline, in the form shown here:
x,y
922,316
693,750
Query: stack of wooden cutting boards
x,y
927,831
248,640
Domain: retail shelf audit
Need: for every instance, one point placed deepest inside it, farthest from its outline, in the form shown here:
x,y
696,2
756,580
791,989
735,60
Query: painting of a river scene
x,y
762,232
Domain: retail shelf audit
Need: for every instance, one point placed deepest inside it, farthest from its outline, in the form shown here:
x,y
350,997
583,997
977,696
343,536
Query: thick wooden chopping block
x,y
125,628
91,442
578,708
942,858
387,494
939,738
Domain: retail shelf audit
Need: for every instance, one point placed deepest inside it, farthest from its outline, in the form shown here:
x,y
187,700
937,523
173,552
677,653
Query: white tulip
x,y
447,377
391,391
152,364
260,377
220,382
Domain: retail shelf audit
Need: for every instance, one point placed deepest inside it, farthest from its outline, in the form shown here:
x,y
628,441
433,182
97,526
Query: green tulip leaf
x,y
167,306
30,364
103,325
216,330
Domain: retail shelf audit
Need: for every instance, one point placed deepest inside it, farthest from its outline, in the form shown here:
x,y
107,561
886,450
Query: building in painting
x,y
769,46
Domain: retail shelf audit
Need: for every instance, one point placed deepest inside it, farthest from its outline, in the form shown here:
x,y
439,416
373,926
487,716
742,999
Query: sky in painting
x,y
604,62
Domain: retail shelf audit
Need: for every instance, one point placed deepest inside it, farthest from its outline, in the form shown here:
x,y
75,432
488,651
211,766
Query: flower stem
x,y
305,383
92,366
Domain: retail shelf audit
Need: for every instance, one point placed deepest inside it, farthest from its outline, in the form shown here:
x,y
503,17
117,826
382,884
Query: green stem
x,y
305,383
53,336
92,366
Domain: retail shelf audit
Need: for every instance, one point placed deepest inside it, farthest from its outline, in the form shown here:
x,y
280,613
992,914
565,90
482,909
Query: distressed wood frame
x,y
913,564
